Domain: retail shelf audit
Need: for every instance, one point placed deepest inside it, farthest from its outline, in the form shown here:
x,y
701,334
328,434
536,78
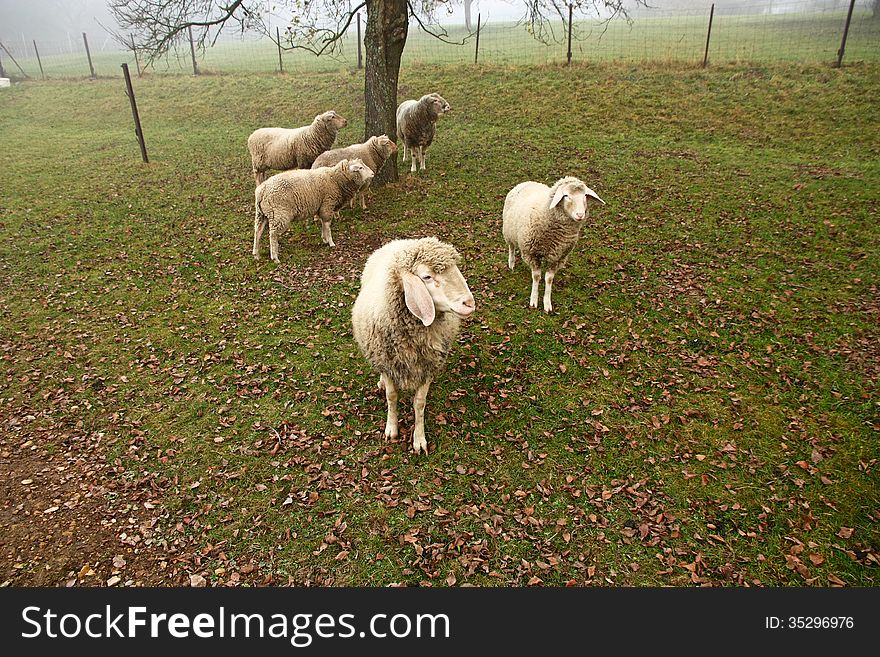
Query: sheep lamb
x,y
303,194
406,318
374,152
544,224
292,148
416,123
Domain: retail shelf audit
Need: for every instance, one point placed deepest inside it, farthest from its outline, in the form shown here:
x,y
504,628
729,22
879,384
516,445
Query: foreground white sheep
x,y
416,123
303,194
292,148
373,152
544,224
406,318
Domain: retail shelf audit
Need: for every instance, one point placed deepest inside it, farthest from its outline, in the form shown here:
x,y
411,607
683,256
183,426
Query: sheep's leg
x,y
274,229
326,215
419,402
414,156
260,224
511,256
536,282
403,159
326,225
548,289
391,399
423,153
363,196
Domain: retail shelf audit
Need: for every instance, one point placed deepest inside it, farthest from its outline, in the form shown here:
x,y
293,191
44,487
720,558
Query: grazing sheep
x,y
303,194
544,223
292,148
406,318
416,121
373,152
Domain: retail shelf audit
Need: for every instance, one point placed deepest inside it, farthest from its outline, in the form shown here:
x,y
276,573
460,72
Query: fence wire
x,y
806,31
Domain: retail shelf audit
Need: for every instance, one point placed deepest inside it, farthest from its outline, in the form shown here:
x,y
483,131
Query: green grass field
x,y
701,408
795,37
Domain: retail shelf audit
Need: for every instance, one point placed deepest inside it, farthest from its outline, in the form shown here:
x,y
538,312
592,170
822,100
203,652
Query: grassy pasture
x,y
702,407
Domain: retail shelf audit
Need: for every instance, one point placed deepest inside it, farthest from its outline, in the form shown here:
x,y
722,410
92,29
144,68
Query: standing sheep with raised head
x,y
374,152
303,194
544,224
416,123
406,318
292,148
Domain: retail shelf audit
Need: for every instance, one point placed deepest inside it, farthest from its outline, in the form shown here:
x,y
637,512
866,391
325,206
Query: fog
x,y
65,20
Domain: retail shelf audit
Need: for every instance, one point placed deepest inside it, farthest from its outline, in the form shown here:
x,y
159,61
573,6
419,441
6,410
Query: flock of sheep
x,y
413,295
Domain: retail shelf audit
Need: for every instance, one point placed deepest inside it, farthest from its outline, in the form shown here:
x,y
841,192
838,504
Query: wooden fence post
x,y
89,55
477,49
360,57
192,50
570,12
708,35
18,66
134,112
845,33
278,39
39,61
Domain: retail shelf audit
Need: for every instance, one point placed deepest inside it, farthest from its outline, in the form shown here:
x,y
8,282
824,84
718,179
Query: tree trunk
x,y
467,15
384,39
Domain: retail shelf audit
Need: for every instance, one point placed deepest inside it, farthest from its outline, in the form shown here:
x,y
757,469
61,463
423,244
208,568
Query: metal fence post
x,y
192,49
134,112
570,12
708,35
845,33
89,55
39,61
360,57
278,39
477,49
134,49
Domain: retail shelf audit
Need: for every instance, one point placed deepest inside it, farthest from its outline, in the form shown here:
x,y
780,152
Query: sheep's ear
x,y
417,298
593,196
560,192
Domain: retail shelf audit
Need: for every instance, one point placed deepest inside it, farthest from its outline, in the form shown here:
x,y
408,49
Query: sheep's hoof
x,y
381,384
390,433
331,243
420,445
533,304
256,256
276,261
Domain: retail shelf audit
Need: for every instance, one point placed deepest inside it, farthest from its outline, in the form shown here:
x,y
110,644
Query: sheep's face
x,y
385,145
333,121
359,171
575,200
446,288
438,104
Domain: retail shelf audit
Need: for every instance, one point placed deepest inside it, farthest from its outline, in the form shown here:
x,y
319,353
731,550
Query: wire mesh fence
x,y
766,31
